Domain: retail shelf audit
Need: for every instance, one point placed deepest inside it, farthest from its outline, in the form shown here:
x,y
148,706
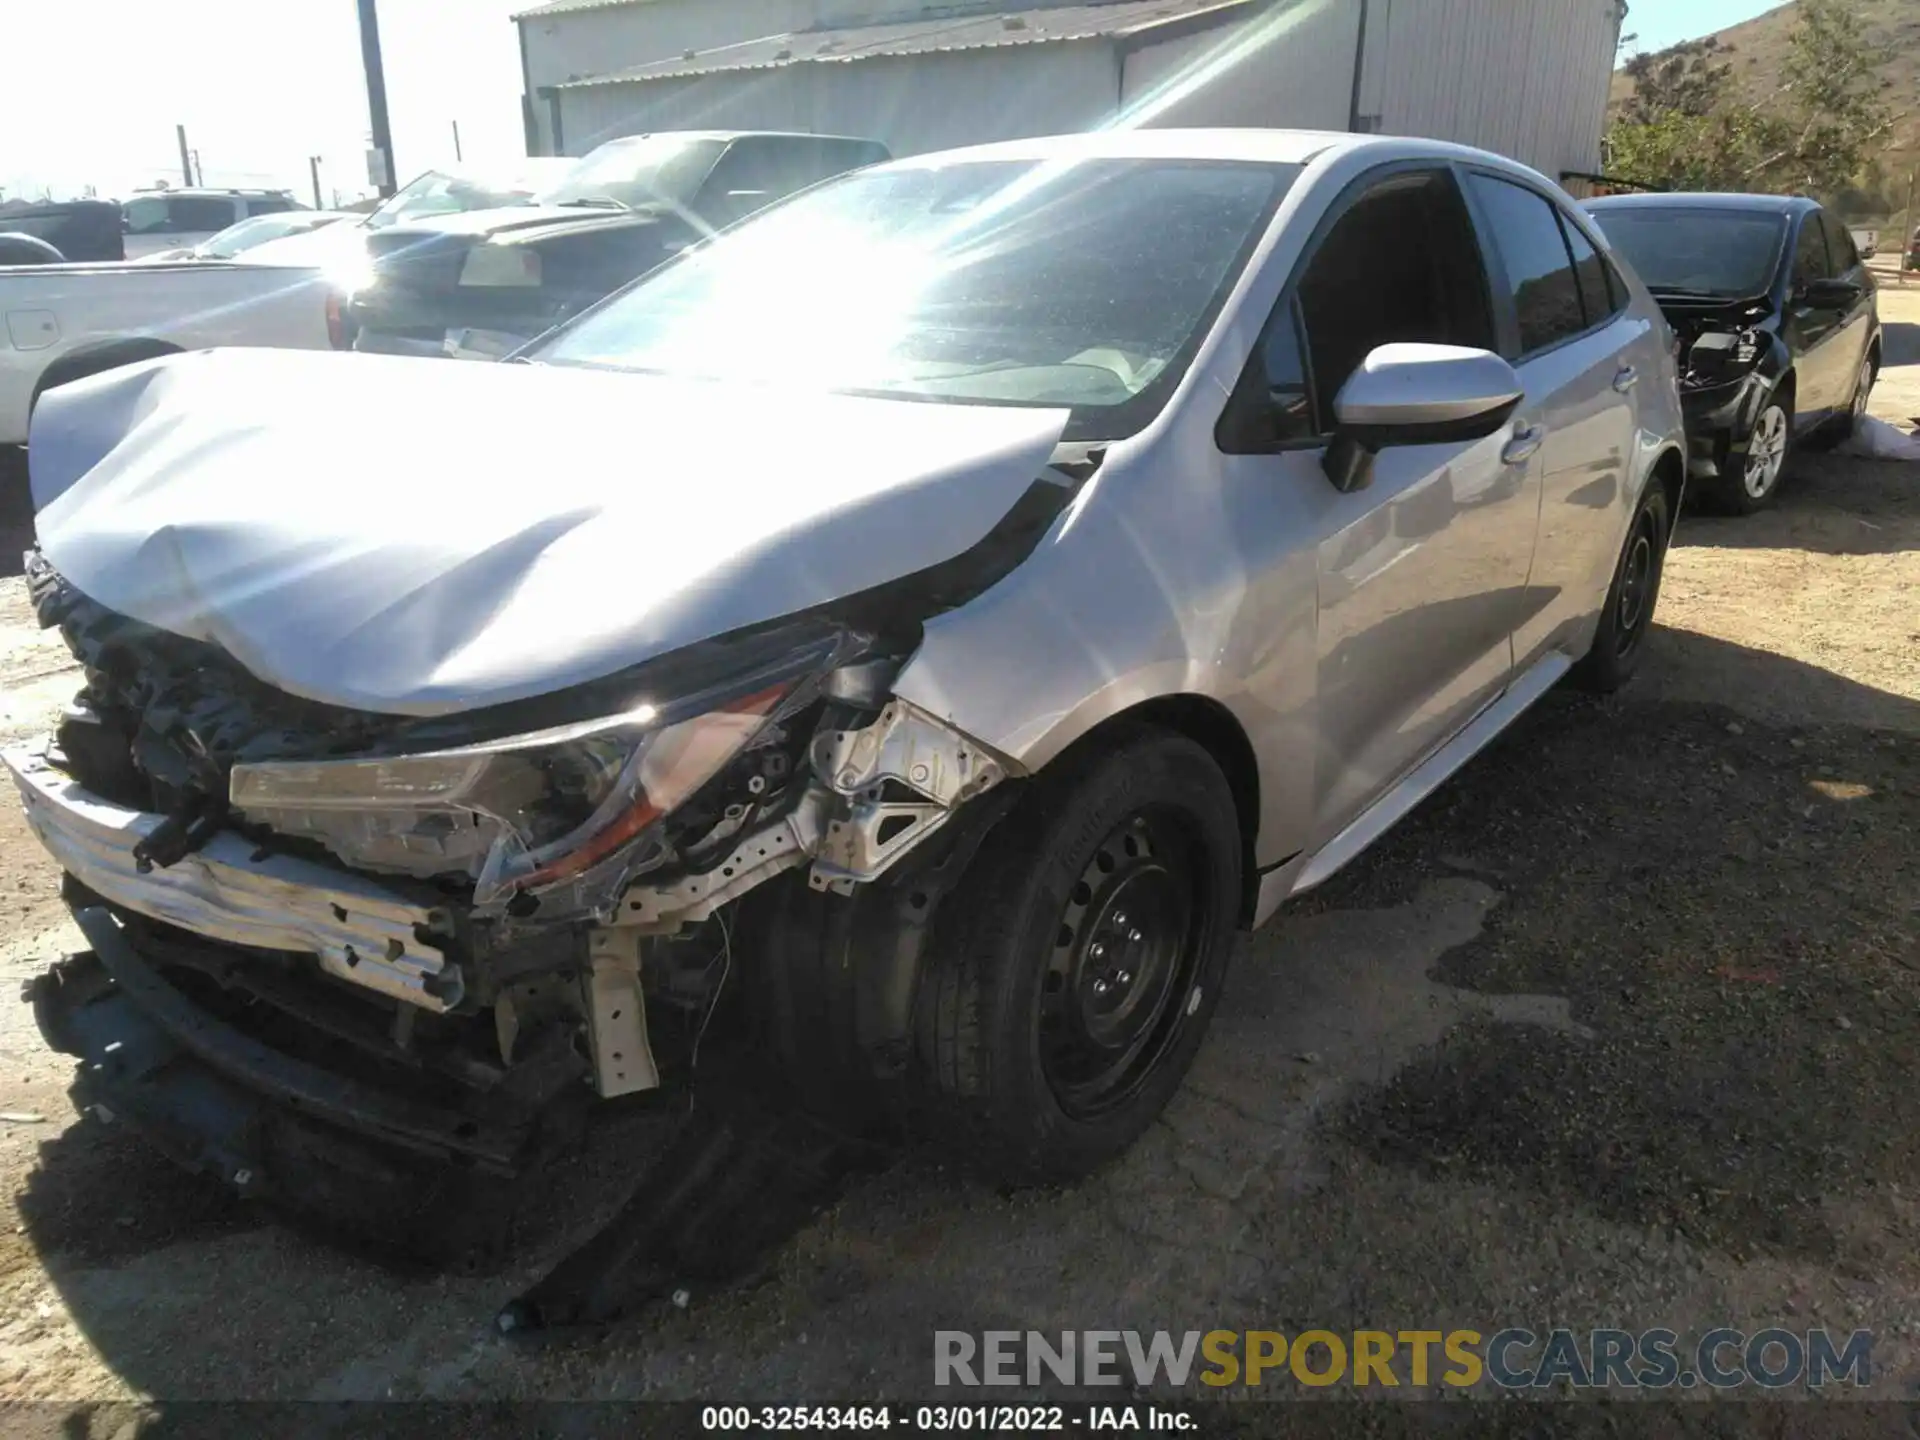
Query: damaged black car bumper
x,y
1719,418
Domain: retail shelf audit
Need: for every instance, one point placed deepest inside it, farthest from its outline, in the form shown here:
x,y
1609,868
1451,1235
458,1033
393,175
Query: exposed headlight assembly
x,y
501,266
559,820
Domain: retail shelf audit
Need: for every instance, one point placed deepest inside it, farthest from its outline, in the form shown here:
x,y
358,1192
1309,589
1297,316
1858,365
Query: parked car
x,y
157,220
936,614
81,230
260,230
65,322
1778,325
20,249
479,284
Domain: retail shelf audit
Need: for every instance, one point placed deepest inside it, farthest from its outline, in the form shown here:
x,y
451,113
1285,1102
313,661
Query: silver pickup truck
x,y
60,322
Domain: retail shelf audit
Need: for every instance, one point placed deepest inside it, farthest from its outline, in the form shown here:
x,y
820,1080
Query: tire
x,y
1037,1055
79,366
1632,598
1770,446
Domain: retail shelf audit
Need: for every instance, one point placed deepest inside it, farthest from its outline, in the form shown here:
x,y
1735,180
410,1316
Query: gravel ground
x,y
1620,1030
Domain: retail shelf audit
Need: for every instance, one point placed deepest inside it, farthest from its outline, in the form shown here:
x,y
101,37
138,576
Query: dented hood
x,y
419,538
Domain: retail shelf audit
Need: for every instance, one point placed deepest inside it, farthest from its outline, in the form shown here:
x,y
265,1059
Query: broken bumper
x,y
229,890
215,1099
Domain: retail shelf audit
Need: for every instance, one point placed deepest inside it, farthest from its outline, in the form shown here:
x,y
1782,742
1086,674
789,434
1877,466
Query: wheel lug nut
x,y
1125,977
1100,987
1134,935
1096,950
1118,918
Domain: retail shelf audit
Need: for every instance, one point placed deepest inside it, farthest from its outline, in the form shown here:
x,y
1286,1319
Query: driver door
x,y
1420,577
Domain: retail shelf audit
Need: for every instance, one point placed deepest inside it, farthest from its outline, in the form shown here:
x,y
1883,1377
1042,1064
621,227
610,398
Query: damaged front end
x,y
437,940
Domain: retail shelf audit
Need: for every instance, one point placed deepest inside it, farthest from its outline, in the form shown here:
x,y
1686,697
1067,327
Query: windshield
x,y
442,192
257,231
1726,254
642,170
1085,285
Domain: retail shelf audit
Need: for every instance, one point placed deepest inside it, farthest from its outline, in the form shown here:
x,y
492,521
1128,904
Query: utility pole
x,y
456,142
1906,236
186,156
376,96
199,171
313,167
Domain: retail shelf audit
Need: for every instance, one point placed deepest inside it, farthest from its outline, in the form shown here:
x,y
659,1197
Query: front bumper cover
x,y
1718,420
231,890
205,1093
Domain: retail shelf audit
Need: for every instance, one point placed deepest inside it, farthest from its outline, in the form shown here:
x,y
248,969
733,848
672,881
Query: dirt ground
x,y
1622,1030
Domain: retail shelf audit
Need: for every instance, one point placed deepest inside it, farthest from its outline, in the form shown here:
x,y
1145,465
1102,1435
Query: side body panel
x,y
1179,570
49,311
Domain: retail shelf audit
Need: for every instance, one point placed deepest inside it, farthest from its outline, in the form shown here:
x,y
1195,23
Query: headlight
x,y
565,816
501,265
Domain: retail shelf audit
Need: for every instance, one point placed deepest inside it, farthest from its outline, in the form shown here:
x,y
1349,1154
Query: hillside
x,y
1760,47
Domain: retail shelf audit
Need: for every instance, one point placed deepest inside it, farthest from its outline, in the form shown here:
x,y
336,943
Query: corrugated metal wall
x,y
912,103
1526,78
1291,67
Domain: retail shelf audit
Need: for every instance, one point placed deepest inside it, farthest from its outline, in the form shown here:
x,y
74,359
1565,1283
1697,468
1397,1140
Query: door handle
x,y
1625,378
1522,447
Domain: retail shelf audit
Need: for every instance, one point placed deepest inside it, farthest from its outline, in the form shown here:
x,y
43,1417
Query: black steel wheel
x,y
1633,597
1076,965
1122,966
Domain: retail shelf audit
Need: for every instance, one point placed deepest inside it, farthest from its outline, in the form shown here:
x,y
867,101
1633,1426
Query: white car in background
x,y
158,220
248,234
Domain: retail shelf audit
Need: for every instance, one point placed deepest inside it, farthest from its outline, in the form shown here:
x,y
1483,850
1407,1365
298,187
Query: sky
x,y
1660,23
94,88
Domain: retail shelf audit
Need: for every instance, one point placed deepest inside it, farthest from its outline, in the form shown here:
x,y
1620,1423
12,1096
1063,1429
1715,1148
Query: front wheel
x,y
1754,483
1075,967
1622,637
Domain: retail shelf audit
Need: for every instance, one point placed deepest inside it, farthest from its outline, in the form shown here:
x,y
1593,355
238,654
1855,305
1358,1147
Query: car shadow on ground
x,y
1728,906
1832,504
1730,909
16,511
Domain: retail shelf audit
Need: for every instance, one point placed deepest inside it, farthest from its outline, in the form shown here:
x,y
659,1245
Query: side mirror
x,y
1416,395
1830,294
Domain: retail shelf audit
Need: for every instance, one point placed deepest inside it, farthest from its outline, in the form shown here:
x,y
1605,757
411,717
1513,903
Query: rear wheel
x,y
1631,600
1076,965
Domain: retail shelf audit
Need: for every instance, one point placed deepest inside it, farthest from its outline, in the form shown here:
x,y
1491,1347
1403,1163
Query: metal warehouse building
x,y
1528,78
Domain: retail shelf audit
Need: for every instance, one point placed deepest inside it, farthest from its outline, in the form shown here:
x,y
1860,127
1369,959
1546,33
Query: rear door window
x,y
190,213
1600,295
1525,229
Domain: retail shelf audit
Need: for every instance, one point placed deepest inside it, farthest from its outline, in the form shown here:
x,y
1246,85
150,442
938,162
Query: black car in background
x,y
1777,322
483,283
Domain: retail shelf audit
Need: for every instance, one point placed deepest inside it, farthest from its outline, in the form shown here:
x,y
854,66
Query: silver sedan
x,y
943,609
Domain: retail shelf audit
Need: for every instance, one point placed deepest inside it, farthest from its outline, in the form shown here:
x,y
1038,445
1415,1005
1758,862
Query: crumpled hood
x,y
417,538
1691,318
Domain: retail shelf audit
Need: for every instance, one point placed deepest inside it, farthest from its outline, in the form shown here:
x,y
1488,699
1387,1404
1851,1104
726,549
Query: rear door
x,y
1568,331
1856,325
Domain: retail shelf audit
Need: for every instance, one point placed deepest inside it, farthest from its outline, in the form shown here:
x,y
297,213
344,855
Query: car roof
x,y
1704,200
198,191
1278,147
741,135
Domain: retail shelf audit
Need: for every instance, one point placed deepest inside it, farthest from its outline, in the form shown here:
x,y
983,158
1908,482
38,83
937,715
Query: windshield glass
x,y
642,170
442,192
1085,285
1723,253
257,231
